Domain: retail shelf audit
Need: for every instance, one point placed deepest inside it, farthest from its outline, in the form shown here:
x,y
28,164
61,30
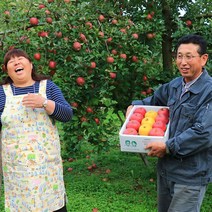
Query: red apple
x,y
123,30
150,35
159,124
70,159
89,25
47,12
82,37
112,75
83,119
140,110
135,59
144,78
156,132
80,81
94,166
149,90
41,6
33,21
130,131
42,34
37,56
136,116
124,56
162,117
74,104
188,23
7,13
70,169
107,171
149,16
49,20
89,168
164,111
133,124
109,40
101,18
89,110
110,59
93,65
135,35
101,34
114,52
59,34
77,46
96,120
114,21
52,64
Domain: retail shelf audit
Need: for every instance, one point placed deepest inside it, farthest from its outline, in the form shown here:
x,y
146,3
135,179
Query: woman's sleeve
x,y
63,111
2,102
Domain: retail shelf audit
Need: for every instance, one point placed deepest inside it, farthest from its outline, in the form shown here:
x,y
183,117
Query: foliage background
x,y
145,32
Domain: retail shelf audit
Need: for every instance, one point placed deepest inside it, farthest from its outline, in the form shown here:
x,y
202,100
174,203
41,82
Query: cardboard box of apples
x,y
143,125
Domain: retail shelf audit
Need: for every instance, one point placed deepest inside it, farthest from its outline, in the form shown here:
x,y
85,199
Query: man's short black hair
x,y
195,39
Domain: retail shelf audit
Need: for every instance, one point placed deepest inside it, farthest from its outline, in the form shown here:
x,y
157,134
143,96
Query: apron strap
x,y
42,87
8,90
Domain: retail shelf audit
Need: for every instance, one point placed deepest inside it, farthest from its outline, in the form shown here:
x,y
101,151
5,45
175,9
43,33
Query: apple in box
x,y
164,111
140,110
156,132
159,124
162,117
144,129
130,131
136,116
133,124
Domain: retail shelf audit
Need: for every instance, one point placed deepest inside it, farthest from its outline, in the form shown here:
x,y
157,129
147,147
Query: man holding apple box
x,y
184,161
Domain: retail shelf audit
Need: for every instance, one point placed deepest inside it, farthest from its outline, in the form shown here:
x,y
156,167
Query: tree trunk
x,y
167,39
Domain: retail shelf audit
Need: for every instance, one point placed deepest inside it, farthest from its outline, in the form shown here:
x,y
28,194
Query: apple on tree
x,y
77,46
80,81
52,64
110,59
37,56
33,21
89,110
112,75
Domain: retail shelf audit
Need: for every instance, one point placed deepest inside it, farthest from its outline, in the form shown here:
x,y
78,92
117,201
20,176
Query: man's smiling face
x,y
189,61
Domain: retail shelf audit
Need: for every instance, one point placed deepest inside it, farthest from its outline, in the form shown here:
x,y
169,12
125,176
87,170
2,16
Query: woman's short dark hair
x,y
18,53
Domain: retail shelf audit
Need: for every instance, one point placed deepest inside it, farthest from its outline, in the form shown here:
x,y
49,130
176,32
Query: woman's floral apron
x,y
32,165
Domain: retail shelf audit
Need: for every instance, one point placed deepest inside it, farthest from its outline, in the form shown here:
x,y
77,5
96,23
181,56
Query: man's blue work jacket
x,y
190,136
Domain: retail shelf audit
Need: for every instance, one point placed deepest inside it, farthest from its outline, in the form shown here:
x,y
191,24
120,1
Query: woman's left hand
x,y
33,101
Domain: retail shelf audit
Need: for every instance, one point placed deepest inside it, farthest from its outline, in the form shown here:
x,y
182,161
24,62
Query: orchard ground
x,y
112,181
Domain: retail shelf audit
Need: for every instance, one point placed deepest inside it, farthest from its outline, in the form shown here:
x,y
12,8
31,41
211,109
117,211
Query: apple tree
x,y
102,54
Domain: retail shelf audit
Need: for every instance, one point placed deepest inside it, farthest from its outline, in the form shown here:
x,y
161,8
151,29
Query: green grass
x,y
129,187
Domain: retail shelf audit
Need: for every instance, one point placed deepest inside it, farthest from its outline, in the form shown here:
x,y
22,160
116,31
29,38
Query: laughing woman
x,y
31,157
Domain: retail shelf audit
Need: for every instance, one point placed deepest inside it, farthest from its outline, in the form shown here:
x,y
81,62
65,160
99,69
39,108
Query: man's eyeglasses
x,y
187,58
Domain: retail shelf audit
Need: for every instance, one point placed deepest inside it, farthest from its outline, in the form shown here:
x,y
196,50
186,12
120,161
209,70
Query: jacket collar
x,y
196,87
